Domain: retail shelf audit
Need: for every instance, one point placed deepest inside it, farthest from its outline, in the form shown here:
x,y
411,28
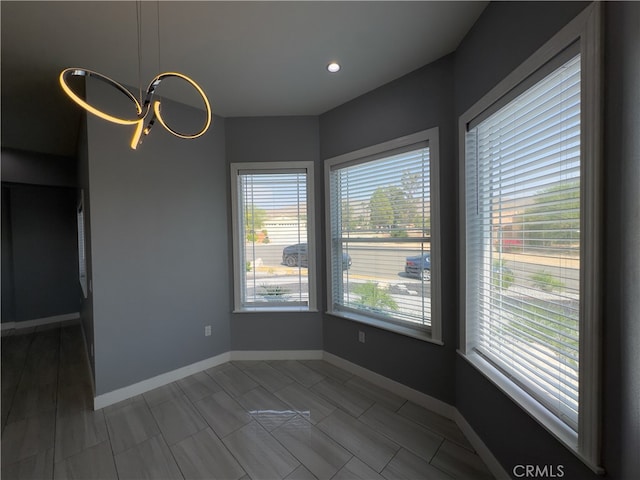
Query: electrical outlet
x,y
207,331
361,336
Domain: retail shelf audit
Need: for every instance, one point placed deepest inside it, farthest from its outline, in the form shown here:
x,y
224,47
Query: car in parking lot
x,y
418,266
296,256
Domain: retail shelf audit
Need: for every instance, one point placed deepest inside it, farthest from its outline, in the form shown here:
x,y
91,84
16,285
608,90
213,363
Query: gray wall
x,y
39,250
159,248
39,256
502,38
276,139
19,166
8,307
622,259
420,100
86,303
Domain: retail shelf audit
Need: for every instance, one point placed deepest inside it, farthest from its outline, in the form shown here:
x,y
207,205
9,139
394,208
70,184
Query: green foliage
x,y
546,282
399,233
248,266
501,276
381,208
272,291
374,297
254,217
548,323
348,217
555,216
390,208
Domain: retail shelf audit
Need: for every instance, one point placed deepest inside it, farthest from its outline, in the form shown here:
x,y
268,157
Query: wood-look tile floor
x,y
241,420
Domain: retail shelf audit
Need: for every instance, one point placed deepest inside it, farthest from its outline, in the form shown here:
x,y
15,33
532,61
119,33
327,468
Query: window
x,y
382,231
274,243
82,257
531,233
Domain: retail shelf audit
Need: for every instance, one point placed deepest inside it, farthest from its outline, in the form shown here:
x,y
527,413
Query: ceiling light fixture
x,y
333,67
141,111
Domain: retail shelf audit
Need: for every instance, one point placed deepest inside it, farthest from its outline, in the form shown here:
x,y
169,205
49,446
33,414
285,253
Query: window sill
x,y
423,334
279,308
532,407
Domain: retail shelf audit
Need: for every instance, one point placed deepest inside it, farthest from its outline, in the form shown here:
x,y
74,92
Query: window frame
x,y
586,29
238,261
432,333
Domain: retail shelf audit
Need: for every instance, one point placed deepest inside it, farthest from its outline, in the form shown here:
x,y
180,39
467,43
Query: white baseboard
x,y
415,396
481,449
115,396
38,322
427,402
270,355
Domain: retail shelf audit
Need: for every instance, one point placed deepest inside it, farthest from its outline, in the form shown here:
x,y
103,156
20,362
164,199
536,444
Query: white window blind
x,y
272,217
523,240
380,215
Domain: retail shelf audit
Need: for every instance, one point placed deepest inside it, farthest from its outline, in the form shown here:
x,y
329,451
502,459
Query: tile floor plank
x,y
260,454
301,473
414,438
328,370
306,403
368,445
150,459
35,467
32,401
460,462
78,432
378,394
223,414
433,421
94,463
321,455
204,457
233,380
298,371
28,437
177,419
267,376
130,425
163,394
266,408
198,386
356,469
351,401
406,465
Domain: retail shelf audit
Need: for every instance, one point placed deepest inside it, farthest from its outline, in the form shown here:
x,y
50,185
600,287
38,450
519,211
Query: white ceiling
x,y
251,58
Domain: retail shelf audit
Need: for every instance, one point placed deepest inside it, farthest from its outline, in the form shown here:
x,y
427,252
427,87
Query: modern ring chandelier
x,y
142,111
145,114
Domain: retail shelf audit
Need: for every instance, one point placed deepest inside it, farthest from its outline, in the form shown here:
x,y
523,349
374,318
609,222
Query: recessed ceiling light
x,y
333,67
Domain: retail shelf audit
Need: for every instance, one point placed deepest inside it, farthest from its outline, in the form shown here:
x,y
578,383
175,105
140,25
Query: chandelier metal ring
x,y
83,72
156,106
141,111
